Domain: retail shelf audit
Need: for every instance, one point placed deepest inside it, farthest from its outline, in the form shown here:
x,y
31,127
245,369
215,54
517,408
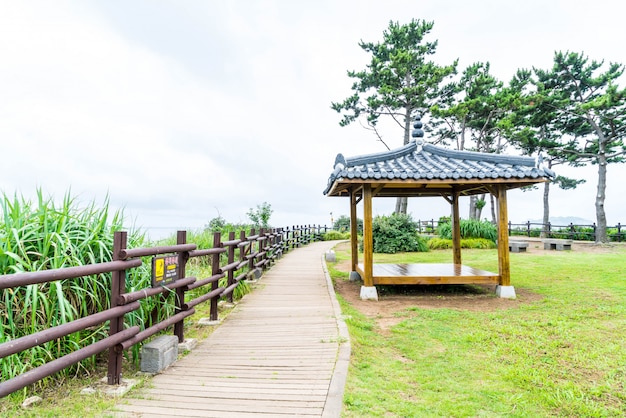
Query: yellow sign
x,y
164,270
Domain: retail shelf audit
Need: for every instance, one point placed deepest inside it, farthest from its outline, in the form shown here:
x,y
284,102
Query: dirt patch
x,y
393,301
388,310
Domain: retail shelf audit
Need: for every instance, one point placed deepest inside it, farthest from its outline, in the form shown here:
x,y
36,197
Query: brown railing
x,y
242,255
571,231
549,230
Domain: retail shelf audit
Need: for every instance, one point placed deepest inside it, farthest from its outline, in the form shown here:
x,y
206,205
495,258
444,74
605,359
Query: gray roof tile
x,y
425,161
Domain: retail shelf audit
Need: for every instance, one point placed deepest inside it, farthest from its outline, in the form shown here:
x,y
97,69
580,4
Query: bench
x,y
518,246
557,244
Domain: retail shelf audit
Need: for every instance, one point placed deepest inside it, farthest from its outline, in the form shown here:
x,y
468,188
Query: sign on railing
x,y
164,270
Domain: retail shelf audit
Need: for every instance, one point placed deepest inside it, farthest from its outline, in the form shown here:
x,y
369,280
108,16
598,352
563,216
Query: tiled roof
x,y
418,160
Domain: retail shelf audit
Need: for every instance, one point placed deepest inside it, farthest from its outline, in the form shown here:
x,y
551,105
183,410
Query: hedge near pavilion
x,y
419,169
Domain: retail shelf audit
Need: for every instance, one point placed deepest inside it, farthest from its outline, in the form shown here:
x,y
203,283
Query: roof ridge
x,y
480,156
372,158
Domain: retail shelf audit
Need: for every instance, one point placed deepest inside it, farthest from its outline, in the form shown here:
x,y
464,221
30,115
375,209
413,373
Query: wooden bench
x,y
557,244
518,246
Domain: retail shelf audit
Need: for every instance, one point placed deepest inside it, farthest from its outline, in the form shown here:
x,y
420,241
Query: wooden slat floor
x,y
429,273
275,355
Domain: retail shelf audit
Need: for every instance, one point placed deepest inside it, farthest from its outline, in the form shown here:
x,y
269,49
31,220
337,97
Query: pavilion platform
x,y
428,274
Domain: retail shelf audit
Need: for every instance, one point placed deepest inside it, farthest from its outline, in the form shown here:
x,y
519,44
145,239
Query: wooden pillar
x,y
368,238
456,229
181,238
354,232
118,287
503,238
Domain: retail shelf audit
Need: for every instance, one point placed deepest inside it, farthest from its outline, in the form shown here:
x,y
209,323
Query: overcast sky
x,y
181,111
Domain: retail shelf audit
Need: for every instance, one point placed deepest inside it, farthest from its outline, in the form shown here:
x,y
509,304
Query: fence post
x,y
528,228
594,231
549,230
509,228
619,232
231,259
215,269
118,286
263,248
181,238
242,248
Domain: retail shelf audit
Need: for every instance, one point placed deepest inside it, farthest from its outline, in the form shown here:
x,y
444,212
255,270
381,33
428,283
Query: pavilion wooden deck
x,y
429,273
283,351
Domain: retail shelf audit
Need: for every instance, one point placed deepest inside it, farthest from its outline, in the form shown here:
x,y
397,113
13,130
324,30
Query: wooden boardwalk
x,y
283,351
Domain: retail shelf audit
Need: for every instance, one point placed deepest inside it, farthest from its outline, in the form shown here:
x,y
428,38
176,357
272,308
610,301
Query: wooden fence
x,y
234,259
549,230
571,231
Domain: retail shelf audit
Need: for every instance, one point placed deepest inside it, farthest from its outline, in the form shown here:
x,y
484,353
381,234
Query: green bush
x,y
342,224
470,228
335,235
473,243
396,233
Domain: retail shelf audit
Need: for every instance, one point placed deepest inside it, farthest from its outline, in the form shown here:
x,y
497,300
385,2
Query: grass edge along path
x,y
564,355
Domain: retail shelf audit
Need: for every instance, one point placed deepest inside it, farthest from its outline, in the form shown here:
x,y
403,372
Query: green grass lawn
x,y
562,355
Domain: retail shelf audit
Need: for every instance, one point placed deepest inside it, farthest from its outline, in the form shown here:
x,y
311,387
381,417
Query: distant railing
x,y
534,229
571,231
241,254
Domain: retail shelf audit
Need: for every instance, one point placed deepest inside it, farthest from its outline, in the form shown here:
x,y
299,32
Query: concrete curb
x,y
334,400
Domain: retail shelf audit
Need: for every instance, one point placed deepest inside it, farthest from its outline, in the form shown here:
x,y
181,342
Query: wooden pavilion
x,y
417,170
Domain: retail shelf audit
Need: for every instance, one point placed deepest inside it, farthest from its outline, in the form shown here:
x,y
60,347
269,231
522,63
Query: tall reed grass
x,y
470,228
45,235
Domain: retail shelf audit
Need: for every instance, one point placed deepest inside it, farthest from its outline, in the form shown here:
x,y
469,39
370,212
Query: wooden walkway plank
x,y
282,351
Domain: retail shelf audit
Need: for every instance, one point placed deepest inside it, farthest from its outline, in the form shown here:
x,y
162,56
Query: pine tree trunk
x,y
472,207
402,202
479,209
546,209
601,235
401,205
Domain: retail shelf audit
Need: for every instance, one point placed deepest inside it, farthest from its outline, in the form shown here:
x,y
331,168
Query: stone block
x,y
159,353
518,246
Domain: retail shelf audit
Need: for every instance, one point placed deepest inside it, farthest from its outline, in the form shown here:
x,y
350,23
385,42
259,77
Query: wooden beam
x,y
448,198
368,238
354,239
378,189
456,228
503,238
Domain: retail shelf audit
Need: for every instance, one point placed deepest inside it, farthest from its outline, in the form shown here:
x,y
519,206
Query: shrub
x,y
335,235
475,243
470,228
342,224
396,233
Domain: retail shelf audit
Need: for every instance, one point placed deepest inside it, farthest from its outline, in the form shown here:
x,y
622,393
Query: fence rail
x,y
571,231
534,229
234,258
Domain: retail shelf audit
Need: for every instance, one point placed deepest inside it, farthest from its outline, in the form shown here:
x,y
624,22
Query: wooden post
x,y
181,238
354,232
118,286
503,238
215,269
231,259
368,238
456,229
